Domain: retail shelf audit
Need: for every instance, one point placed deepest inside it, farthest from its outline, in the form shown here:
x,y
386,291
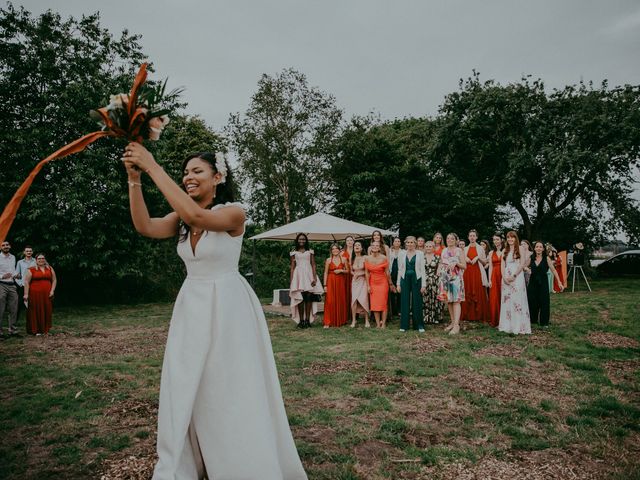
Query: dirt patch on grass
x,y
424,345
611,340
540,465
128,468
324,368
531,384
136,341
505,350
622,371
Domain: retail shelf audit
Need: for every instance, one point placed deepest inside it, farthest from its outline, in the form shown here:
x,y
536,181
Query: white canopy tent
x,y
321,227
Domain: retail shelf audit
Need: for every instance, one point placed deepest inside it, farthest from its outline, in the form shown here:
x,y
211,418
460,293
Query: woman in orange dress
x,y
476,304
495,280
39,286
336,303
379,280
438,244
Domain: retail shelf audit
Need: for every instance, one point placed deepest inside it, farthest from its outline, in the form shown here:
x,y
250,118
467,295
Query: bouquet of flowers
x,y
137,116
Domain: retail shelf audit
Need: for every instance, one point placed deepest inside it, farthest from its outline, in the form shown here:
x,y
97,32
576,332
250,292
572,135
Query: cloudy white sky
x,y
397,58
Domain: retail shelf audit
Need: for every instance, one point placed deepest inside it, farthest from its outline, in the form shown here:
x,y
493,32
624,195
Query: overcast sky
x,y
396,58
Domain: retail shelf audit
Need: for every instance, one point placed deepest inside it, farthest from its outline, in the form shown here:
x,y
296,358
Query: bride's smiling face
x,y
199,179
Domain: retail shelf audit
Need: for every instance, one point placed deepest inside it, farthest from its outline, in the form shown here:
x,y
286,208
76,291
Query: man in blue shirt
x,y
21,272
8,289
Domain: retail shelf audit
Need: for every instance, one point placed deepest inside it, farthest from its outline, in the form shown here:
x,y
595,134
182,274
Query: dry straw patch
x,y
104,343
611,340
550,464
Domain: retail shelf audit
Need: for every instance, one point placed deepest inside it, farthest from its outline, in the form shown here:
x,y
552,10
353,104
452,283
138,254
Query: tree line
x,y
557,165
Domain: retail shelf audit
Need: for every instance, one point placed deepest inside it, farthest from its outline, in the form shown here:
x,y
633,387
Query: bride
x,y
221,410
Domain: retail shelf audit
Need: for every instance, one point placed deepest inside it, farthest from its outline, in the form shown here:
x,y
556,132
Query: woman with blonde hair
x,y
411,284
451,286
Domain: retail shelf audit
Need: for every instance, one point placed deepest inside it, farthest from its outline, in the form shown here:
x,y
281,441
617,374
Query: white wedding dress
x,y
221,408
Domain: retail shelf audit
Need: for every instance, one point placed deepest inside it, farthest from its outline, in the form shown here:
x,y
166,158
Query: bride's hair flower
x,y
221,166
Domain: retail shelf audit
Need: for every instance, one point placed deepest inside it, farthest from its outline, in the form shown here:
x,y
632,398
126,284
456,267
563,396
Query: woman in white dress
x,y
514,310
305,285
221,410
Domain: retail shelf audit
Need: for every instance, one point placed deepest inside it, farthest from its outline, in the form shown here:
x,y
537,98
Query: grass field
x,y
363,404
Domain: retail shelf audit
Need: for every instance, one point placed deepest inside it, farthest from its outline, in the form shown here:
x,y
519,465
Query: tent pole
x,y
253,266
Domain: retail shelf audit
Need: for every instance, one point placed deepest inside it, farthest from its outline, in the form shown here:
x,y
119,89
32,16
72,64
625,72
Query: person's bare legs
x,y
301,314
376,315
456,310
384,319
354,314
307,307
450,326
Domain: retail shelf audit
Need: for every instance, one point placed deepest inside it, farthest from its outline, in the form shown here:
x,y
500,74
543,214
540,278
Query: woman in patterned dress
x,y
514,311
451,283
432,308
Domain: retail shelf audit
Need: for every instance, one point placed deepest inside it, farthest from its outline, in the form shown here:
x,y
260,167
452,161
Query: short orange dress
x,y
379,284
336,302
40,308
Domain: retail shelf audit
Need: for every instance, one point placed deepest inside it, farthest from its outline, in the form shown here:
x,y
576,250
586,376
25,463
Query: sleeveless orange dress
x,y
379,284
476,305
336,303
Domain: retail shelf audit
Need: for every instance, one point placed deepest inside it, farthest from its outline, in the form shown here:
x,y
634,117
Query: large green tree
x,y
564,157
284,142
386,174
52,72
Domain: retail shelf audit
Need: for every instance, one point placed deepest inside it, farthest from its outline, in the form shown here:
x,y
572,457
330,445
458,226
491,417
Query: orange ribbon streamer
x,y
11,210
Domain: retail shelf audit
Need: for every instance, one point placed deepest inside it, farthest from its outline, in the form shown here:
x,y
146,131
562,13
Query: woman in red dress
x,y
557,264
336,302
39,286
495,280
379,280
476,305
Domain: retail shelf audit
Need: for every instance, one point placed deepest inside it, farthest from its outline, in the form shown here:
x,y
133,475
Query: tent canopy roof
x,y
321,227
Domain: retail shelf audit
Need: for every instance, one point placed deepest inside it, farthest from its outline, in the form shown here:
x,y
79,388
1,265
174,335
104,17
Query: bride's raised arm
x,y
223,220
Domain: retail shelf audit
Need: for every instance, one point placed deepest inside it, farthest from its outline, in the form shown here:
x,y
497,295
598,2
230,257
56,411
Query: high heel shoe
x,y
353,324
455,330
448,328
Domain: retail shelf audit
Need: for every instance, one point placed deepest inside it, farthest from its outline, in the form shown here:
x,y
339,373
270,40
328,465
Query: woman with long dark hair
x,y
359,290
476,304
495,280
304,286
394,296
220,397
538,288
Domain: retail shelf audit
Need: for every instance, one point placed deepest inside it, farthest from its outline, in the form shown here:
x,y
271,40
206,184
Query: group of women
x,y
505,286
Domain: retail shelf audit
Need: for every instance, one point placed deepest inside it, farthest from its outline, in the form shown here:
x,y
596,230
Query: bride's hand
x,y
135,155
